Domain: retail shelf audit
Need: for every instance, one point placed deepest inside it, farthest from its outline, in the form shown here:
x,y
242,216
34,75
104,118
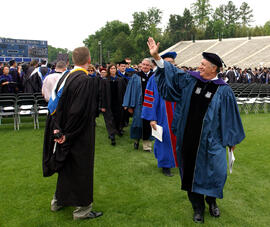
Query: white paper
x,y
54,147
158,133
231,159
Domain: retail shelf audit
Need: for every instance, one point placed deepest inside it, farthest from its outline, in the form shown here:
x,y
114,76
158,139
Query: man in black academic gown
x,y
34,82
232,75
126,75
122,66
69,141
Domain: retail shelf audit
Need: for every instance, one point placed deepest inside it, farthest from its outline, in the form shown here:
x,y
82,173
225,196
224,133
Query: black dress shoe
x,y
136,145
167,172
214,210
147,151
198,217
120,134
112,137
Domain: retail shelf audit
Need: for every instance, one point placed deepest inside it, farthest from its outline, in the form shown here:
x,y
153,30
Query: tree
x,y
107,34
219,13
231,14
124,47
145,24
266,28
215,29
245,13
181,27
188,24
201,10
143,21
53,53
257,31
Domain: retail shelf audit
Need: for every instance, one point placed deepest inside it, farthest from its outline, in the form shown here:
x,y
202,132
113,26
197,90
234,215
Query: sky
x,y
66,23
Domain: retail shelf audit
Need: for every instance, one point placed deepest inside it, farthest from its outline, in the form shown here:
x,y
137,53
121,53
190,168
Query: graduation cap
x,y
122,62
213,58
169,55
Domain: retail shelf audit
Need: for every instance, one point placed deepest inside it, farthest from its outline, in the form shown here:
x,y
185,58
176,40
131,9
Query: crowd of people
x,y
19,77
192,107
237,75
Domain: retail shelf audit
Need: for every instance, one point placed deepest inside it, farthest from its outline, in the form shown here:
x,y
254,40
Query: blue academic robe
x,y
130,70
5,78
155,108
6,88
133,99
221,127
123,75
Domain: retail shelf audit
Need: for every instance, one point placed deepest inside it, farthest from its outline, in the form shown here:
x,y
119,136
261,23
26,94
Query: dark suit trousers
x,y
197,201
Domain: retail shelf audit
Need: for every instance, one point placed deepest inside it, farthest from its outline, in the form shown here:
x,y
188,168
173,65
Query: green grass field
x,y
129,188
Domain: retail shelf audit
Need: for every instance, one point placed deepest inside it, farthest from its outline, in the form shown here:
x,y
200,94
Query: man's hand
x,y
5,83
153,124
60,140
130,110
103,110
153,48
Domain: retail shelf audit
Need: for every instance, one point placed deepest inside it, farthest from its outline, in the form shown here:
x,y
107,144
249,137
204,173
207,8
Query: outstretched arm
x,y
169,79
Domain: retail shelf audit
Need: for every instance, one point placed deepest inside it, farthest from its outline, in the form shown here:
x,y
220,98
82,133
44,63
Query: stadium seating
x,y
240,52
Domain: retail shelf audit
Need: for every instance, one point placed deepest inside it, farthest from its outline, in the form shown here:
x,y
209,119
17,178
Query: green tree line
x,y
118,40
53,53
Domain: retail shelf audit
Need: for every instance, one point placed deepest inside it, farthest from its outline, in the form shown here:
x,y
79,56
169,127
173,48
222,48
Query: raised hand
x,y
153,48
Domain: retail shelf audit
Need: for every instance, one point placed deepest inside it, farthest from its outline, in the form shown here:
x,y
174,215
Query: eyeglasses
x,y
91,70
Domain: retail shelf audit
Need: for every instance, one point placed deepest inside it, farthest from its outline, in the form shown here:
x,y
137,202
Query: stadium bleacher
x,y
240,52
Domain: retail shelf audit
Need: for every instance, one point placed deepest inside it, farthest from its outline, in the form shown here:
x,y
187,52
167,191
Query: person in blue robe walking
x,y
160,112
133,100
206,120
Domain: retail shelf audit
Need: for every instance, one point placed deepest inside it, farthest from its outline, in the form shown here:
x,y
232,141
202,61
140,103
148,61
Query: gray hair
x,y
61,65
147,59
218,68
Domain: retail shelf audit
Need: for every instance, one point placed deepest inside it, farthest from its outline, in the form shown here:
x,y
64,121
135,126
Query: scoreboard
x,y
22,50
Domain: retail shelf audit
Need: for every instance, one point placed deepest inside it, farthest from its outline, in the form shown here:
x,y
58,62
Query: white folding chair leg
x,y
34,120
15,123
37,122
